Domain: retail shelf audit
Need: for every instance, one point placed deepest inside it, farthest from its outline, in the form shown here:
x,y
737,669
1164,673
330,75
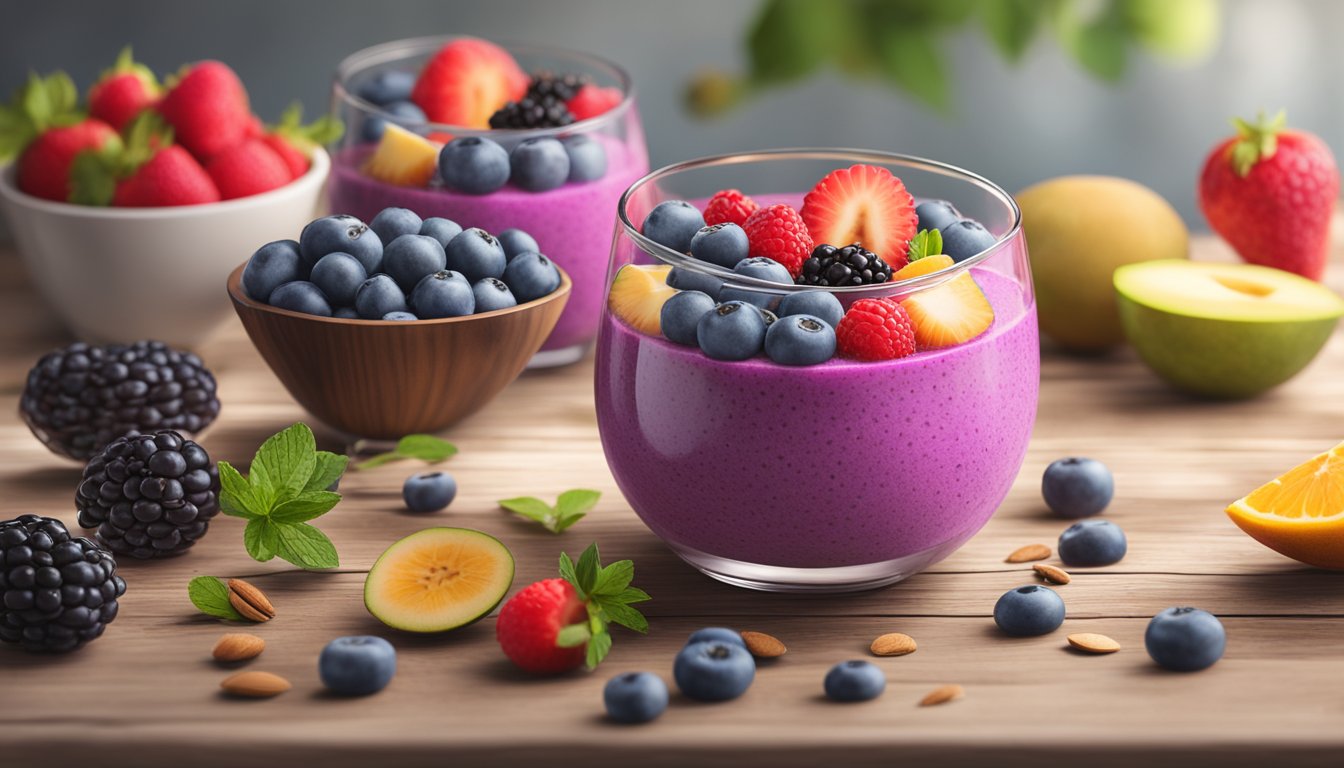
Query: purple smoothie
x,y
573,224
842,464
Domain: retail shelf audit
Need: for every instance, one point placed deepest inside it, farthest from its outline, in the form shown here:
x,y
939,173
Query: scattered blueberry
x,y
854,681
341,234
716,635
345,313
635,697
378,296
273,265
799,340
819,304
391,223
339,275
692,280
761,268
531,276
443,230
474,165
587,158
399,112
734,330
443,294
1077,487
400,316
1029,611
476,254
429,491
1185,639
936,214
714,670
672,223
491,294
964,238
1092,543
388,86
723,244
539,164
680,316
410,257
358,665
301,296
516,241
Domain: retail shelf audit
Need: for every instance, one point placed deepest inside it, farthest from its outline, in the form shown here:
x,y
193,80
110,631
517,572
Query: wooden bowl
x,y
386,379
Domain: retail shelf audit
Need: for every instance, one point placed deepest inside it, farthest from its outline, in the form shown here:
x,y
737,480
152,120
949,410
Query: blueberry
x,y
680,316
476,254
491,294
531,276
429,491
1029,611
388,86
358,665
1185,639
587,158
820,304
345,313
1092,543
443,230
1077,487
443,294
391,223
341,234
301,296
854,681
516,241
964,238
378,296
936,214
692,280
799,340
761,268
714,670
339,275
731,331
672,223
716,635
635,697
410,257
539,164
273,265
400,316
399,112
474,165
722,244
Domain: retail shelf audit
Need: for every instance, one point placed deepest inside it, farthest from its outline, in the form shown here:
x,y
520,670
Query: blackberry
x,y
80,398
57,592
850,265
550,86
529,112
149,495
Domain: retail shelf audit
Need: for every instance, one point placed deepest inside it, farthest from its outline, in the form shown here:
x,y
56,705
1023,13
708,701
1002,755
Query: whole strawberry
x,y
1270,192
556,625
295,142
123,91
249,168
171,177
147,171
208,109
45,130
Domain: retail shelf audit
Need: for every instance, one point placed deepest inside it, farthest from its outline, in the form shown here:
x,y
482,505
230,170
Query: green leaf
x,y
530,507
929,242
211,596
1099,44
1012,24
576,501
304,507
587,569
792,38
613,579
633,595
424,447
283,464
261,539
913,61
330,467
598,646
307,547
573,635
567,570
622,614
563,523
235,494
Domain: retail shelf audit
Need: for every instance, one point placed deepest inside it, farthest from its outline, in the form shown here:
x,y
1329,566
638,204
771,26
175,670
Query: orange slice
x,y
637,296
953,313
1300,513
925,266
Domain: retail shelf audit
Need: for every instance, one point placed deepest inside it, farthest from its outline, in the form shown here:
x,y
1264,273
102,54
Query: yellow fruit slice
x,y
438,579
953,313
637,295
403,158
1300,513
925,266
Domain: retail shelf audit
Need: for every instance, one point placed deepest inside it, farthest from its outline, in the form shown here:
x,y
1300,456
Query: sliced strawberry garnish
x,y
862,204
953,313
467,81
593,100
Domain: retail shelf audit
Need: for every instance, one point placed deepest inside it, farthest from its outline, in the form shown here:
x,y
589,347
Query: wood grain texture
x,y
147,693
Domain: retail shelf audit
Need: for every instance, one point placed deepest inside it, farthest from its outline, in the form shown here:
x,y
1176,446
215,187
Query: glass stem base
x,y
846,578
554,358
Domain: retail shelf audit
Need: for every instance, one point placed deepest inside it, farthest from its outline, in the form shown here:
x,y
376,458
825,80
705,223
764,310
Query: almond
x,y
893,644
251,602
942,694
238,646
1029,553
1052,574
1093,643
255,685
764,646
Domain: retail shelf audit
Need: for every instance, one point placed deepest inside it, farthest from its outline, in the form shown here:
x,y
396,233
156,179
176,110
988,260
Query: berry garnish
x,y
548,85
875,329
851,265
592,100
530,112
778,232
863,204
729,206
466,81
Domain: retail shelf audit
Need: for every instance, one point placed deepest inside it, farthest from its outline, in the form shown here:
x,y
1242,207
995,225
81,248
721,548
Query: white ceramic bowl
x,y
123,274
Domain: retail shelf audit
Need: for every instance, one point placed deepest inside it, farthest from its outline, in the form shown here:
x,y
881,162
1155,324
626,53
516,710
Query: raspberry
x,y
729,206
875,329
592,100
778,233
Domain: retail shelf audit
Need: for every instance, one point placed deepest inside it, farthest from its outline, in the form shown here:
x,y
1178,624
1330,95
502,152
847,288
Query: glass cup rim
x,y
394,50
686,261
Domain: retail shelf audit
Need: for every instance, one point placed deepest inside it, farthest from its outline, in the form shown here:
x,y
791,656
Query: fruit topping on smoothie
x,y
637,296
863,204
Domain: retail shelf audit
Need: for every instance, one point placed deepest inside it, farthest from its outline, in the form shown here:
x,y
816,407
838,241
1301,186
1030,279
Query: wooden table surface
x,y
146,694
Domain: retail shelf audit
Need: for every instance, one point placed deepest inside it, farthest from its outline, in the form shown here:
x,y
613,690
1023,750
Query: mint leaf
x,y
598,647
261,539
532,508
613,579
929,242
620,613
284,463
211,596
586,570
306,547
573,636
330,467
606,593
569,508
304,507
633,595
235,494
567,569
427,448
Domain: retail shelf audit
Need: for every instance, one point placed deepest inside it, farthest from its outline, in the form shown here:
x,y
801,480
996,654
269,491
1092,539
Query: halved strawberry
x,y
467,81
862,204
953,313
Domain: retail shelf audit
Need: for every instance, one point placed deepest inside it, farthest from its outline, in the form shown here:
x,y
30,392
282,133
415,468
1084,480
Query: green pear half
x,y
1224,330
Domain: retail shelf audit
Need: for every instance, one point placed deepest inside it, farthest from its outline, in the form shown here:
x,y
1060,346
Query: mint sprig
x,y
929,242
286,486
569,508
210,595
608,595
426,448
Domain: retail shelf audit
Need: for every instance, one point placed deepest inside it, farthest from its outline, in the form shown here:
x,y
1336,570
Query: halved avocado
x,y
438,579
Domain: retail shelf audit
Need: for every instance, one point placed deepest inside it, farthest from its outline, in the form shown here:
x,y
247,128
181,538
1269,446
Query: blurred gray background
x,y
1016,124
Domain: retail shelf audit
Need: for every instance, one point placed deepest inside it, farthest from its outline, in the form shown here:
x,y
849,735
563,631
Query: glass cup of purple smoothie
x,y
839,476
571,223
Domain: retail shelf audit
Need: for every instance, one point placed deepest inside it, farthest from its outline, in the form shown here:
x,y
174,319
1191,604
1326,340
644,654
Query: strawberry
x,y
729,206
255,128
248,169
147,170
123,91
44,167
950,314
1270,192
556,625
208,109
171,177
778,233
863,204
875,329
294,142
593,100
467,81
